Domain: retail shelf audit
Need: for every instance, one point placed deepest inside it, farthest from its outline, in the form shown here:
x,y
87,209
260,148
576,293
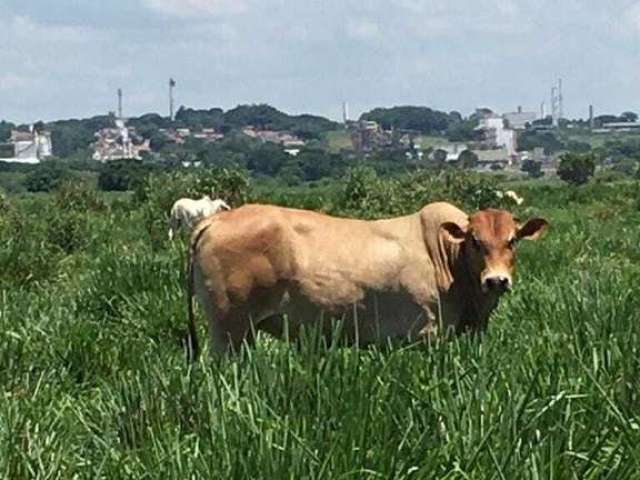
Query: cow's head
x,y
488,242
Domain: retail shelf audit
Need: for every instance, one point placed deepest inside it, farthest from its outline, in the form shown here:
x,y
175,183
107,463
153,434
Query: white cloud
x,y
194,8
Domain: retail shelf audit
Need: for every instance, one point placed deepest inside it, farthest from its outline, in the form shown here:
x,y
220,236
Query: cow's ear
x,y
452,232
533,229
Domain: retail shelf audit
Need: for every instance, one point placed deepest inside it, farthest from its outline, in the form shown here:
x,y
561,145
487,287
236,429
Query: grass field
x,y
94,383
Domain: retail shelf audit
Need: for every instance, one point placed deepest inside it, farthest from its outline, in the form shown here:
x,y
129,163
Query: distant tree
x,y
629,117
468,160
529,140
463,131
121,175
422,119
576,169
291,173
197,119
267,159
5,130
316,163
533,168
602,119
455,116
72,136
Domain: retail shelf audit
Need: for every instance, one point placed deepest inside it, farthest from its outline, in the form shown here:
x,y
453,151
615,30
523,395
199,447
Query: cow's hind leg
x,y
230,330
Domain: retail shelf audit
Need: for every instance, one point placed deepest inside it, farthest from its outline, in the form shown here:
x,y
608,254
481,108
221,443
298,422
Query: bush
x,y
78,196
366,195
24,255
67,230
533,168
576,169
46,177
626,166
121,175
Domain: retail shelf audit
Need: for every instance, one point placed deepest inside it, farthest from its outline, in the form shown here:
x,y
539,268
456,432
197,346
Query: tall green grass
x,y
94,383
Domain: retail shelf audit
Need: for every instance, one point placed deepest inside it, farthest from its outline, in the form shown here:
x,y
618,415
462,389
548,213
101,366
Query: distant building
x,y
31,146
492,157
519,120
208,135
119,142
286,139
367,135
496,135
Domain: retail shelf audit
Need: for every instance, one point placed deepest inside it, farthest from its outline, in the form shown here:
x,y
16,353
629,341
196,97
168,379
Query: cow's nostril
x,y
497,283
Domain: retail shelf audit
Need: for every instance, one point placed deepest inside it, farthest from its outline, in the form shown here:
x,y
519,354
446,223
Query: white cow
x,y
186,212
511,195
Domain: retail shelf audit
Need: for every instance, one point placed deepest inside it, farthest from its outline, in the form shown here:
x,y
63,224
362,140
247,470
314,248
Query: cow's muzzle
x,y
496,283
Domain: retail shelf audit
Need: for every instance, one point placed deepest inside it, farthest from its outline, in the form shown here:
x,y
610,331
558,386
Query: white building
x,y
30,147
496,135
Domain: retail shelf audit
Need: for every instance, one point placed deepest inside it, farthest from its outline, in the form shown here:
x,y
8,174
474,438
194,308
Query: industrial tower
x,y
556,103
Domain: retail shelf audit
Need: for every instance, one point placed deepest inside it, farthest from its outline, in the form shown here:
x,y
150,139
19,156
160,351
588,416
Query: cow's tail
x,y
193,349
192,335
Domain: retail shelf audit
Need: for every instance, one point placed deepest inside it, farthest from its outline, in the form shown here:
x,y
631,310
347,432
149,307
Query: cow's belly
x,y
376,318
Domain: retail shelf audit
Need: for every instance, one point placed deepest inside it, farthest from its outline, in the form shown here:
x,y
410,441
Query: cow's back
x,y
277,260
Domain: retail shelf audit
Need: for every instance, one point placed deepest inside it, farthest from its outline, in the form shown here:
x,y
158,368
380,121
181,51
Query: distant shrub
x,y
533,168
365,194
121,175
626,166
363,190
26,257
78,196
576,169
46,177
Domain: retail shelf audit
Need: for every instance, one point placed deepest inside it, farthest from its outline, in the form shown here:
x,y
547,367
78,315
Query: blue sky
x,y
66,58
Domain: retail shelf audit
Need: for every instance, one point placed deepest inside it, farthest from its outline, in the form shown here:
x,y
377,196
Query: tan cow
x,y
435,270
